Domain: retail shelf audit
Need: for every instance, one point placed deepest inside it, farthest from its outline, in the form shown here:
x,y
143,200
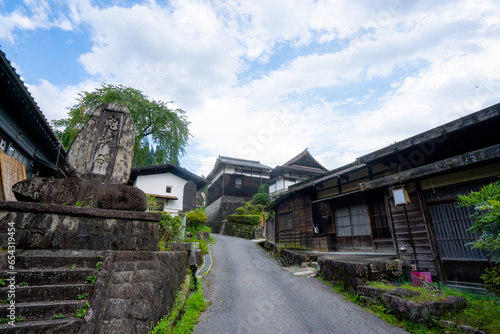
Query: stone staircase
x,y
50,287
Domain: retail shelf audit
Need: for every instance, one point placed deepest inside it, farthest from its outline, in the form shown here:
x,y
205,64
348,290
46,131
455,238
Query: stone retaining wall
x,y
354,274
45,226
134,290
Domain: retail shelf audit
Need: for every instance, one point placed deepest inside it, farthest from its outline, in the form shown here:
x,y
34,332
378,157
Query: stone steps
x,y
44,310
57,259
34,277
54,326
47,292
48,283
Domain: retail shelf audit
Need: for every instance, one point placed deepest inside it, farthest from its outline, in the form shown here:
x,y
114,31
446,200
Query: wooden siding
x,y
249,187
300,235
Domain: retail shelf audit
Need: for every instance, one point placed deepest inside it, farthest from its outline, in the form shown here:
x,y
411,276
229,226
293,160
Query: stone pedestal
x,y
46,226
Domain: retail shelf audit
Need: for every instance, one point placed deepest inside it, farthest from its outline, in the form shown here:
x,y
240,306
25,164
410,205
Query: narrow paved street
x,y
251,293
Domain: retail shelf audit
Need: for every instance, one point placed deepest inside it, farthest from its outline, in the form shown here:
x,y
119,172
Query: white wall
x,y
157,184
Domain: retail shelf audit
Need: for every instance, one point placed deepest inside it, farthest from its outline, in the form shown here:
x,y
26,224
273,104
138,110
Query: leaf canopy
x,y
161,134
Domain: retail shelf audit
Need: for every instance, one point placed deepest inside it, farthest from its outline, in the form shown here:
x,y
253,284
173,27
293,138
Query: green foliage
x,y
492,280
5,302
7,320
23,284
244,219
73,266
80,313
261,199
203,246
98,265
152,204
57,316
486,204
82,296
263,189
189,312
156,125
195,218
3,282
169,228
91,279
482,312
195,304
251,209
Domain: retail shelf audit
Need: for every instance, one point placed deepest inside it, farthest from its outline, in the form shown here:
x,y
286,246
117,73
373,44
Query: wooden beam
x,y
466,159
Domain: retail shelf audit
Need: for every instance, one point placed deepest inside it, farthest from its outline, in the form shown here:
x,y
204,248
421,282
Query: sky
x,y
265,79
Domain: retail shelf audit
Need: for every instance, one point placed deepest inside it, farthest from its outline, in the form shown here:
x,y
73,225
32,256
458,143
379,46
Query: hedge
x,y
244,219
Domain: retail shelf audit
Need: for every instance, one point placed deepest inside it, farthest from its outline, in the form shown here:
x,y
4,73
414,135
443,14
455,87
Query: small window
x,y
237,181
168,190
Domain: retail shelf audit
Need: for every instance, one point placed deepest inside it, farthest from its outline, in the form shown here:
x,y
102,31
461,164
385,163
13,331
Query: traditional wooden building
x,y
25,134
233,182
175,188
402,197
302,167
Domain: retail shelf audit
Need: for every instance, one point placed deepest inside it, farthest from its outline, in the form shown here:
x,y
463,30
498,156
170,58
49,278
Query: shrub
x,y
263,189
244,219
169,227
261,198
492,280
195,218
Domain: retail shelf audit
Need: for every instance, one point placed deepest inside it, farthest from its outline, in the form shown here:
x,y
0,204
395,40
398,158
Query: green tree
x,y
486,204
161,133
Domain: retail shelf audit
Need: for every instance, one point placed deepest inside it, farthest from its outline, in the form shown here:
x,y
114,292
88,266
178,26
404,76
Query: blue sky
x,y
266,79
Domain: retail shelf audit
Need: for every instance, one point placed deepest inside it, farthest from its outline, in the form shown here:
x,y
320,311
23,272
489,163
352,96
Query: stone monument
x,y
99,162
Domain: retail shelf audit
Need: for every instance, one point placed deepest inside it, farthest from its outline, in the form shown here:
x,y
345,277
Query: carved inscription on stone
x,y
103,149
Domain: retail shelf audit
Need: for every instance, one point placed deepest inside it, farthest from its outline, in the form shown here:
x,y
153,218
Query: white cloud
x,y
54,101
265,79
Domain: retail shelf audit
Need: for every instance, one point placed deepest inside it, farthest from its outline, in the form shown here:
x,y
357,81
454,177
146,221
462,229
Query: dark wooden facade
x,y
228,185
236,178
24,132
353,207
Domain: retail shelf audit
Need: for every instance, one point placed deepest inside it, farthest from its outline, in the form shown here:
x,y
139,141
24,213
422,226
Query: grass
x,y
482,313
189,314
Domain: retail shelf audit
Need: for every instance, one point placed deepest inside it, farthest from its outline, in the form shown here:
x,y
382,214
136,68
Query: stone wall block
x,y
144,291
122,291
134,256
124,242
124,266
141,310
116,309
122,277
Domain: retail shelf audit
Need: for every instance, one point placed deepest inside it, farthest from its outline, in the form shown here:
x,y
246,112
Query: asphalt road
x,y
250,293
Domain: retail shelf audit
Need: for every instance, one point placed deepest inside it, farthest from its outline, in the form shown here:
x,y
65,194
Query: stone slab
x,y
103,150
76,191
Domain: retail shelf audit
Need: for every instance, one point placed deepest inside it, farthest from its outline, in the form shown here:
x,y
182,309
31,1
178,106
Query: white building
x,y
175,188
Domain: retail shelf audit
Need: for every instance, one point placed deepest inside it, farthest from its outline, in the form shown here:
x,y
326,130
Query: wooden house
x,y
233,182
302,167
175,188
28,146
401,197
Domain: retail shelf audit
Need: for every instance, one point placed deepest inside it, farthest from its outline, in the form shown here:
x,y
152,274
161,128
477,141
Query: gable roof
x,y
222,160
303,163
168,168
304,159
